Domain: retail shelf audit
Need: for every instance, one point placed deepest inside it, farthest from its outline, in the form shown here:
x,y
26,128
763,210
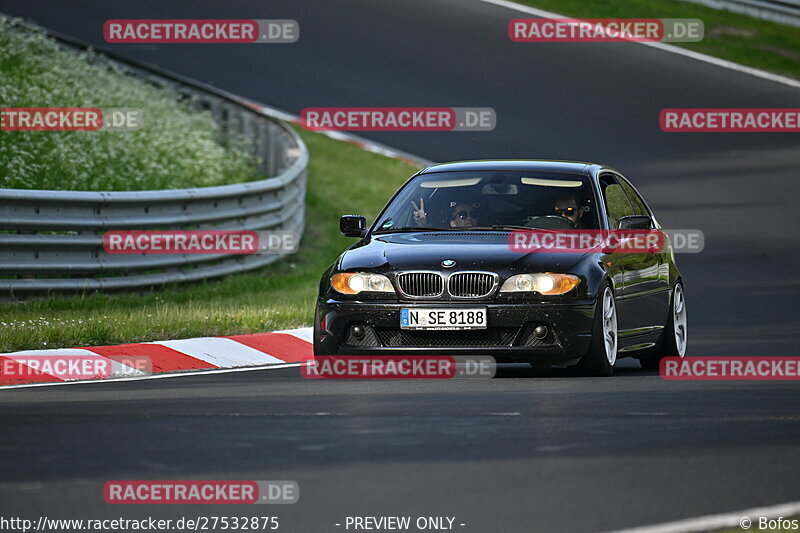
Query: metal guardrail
x,y
781,11
55,241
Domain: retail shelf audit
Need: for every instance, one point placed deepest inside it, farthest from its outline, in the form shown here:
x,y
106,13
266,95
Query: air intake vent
x,y
471,284
396,337
421,284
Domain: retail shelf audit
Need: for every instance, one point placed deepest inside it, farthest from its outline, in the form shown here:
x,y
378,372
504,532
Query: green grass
x,y
738,38
175,148
343,179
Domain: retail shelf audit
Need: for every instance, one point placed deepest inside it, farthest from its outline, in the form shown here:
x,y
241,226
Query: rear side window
x,y
636,201
617,203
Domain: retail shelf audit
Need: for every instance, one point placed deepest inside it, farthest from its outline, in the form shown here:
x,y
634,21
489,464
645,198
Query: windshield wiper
x,y
498,227
411,229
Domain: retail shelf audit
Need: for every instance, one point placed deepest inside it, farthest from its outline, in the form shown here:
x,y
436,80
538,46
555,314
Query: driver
x,y
566,206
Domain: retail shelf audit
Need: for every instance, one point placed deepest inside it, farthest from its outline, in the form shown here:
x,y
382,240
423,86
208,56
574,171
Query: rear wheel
x,y
674,339
599,360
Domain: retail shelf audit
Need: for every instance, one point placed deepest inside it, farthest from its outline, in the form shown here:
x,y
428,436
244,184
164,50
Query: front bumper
x,y
508,337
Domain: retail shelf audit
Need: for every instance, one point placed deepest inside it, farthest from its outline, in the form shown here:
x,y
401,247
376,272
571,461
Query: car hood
x,y
470,251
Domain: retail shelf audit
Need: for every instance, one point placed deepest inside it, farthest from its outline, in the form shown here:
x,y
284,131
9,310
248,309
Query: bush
x,y
177,147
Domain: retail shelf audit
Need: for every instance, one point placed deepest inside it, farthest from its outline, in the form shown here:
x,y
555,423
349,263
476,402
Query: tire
x,y
318,349
599,360
674,339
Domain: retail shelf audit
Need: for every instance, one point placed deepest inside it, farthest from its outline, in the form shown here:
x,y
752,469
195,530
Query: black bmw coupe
x,y
437,272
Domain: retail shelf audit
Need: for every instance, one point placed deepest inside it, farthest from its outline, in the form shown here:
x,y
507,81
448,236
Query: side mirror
x,y
353,225
636,222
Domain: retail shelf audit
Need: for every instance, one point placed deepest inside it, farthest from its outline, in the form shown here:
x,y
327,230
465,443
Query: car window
x,y
617,203
450,200
639,207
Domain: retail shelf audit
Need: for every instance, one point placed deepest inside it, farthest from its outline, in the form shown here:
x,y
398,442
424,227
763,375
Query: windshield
x,y
481,200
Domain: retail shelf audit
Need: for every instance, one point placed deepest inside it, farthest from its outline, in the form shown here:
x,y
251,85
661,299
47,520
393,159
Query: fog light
x,y
540,332
357,331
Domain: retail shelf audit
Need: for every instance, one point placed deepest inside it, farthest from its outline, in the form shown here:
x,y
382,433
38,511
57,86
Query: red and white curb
x,y
170,358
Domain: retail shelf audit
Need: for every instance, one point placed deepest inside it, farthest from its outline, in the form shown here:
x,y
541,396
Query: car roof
x,y
577,167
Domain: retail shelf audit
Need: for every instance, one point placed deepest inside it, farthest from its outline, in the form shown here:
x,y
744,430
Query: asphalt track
x,y
524,452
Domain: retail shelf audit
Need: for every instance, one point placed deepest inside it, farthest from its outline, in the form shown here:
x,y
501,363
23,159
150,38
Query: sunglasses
x,y
569,211
463,214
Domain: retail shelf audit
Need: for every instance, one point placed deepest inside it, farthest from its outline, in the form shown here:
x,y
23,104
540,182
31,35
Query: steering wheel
x,y
550,222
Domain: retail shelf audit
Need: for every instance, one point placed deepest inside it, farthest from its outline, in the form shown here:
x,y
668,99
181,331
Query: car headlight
x,y
542,283
356,282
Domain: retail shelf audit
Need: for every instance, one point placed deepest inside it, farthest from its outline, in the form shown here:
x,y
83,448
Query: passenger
x,y
463,215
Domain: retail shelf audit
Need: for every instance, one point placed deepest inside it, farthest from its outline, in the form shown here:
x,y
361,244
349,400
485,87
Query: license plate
x,y
453,319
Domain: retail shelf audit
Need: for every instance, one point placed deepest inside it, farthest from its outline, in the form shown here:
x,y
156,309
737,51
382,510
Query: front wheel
x,y
674,339
599,360
319,349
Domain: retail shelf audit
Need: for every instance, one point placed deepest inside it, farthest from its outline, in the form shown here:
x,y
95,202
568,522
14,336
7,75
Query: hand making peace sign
x,y
420,216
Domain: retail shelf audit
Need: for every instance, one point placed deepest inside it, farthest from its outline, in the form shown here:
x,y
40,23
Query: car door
x,y
649,286
632,272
